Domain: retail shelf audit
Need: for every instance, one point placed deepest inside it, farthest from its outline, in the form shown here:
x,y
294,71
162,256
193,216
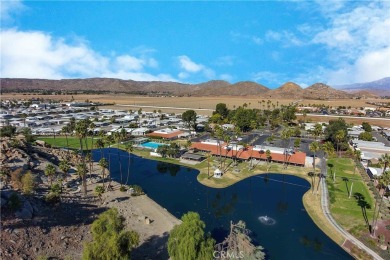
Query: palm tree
x,y
82,171
88,158
118,138
99,190
358,156
328,148
314,147
317,131
340,135
92,134
268,155
100,145
286,134
65,131
129,149
103,165
81,132
64,167
385,160
50,171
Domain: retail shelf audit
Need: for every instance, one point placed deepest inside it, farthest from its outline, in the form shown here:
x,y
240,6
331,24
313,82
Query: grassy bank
x,y
350,209
60,141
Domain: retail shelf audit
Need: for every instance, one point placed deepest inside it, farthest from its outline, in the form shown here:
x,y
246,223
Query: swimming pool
x,y
151,145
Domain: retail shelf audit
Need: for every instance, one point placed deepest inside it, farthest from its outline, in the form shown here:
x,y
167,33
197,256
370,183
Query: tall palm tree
x,y
82,171
385,160
268,155
129,150
88,158
314,147
118,138
100,145
65,131
358,157
81,129
286,134
340,135
64,167
103,165
91,132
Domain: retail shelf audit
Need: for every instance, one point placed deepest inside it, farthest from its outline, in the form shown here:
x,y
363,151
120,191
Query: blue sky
x,y
269,42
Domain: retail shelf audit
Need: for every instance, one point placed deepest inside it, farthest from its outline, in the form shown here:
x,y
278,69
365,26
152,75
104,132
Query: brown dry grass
x,y
193,102
199,102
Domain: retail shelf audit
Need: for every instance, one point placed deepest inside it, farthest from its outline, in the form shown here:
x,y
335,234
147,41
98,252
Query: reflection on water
x,y
176,188
267,220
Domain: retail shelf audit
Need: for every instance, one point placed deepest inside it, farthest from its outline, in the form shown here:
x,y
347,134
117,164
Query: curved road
x,y
325,209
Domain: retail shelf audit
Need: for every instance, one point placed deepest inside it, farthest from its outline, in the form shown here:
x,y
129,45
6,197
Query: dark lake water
x,y
276,197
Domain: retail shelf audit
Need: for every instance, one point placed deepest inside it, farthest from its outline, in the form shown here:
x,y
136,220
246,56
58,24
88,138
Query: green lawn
x,y
356,210
74,142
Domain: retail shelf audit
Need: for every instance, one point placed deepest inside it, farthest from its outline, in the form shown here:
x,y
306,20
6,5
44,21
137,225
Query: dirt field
x,y
192,102
205,104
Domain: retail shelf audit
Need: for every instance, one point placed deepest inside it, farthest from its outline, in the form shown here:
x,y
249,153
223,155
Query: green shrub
x,y
123,188
53,198
28,183
137,190
56,188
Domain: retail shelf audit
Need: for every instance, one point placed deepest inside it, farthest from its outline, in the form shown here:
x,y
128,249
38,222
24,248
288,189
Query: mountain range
x,y
379,87
288,90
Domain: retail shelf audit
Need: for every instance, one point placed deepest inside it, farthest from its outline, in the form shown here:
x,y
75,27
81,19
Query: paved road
x,y
354,117
178,108
328,215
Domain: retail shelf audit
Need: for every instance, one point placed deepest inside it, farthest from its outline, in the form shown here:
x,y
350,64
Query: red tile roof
x,y
166,136
296,158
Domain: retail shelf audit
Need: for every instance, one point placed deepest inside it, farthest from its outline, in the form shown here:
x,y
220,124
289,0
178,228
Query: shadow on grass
x,y
362,203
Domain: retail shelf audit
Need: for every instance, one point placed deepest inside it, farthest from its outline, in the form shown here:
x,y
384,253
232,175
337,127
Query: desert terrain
x,y
202,105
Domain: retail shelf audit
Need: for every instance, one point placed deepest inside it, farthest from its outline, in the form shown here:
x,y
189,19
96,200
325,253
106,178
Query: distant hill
x,y
379,87
288,90
323,91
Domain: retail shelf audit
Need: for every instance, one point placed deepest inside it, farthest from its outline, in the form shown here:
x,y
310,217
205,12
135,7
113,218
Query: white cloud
x,y
191,67
285,37
128,62
36,54
358,41
9,8
188,65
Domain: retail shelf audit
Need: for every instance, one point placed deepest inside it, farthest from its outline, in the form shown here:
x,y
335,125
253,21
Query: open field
x,y
191,102
205,104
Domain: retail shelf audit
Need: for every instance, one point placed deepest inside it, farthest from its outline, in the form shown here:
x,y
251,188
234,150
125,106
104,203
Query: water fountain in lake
x,y
267,220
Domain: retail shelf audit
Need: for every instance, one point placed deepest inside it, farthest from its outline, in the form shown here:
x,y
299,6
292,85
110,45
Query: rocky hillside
x,y
323,91
288,90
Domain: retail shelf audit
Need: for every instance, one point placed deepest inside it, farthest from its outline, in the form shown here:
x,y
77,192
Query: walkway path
x,y
328,215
